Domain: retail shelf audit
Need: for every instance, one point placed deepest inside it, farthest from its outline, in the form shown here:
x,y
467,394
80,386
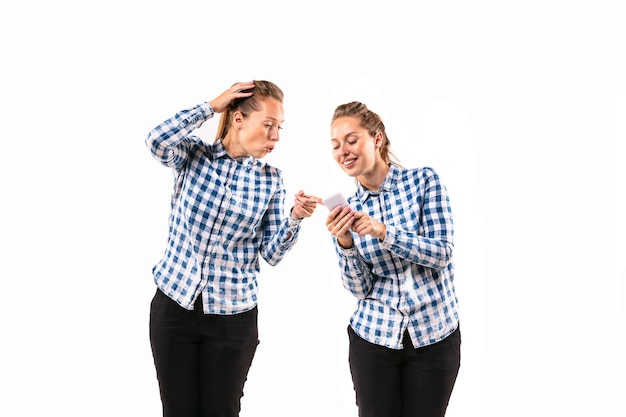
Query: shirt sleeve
x,y
356,275
170,141
431,245
279,234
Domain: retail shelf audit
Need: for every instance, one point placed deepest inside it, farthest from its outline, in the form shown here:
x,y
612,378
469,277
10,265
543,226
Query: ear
x,y
378,139
237,119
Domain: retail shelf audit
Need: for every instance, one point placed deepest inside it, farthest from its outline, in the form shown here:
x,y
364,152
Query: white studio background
x,y
520,107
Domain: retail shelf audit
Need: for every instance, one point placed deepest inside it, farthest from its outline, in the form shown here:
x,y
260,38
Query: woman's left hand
x,y
304,205
367,225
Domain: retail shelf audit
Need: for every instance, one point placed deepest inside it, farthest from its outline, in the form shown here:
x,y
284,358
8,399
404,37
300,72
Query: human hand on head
x,y
221,102
304,205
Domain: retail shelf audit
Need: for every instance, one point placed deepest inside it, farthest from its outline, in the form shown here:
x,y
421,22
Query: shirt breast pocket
x,y
246,209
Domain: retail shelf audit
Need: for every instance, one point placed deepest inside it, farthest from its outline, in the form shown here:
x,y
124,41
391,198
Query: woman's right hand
x,y
338,222
221,102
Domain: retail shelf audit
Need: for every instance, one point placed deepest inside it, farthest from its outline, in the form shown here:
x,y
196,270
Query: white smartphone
x,y
335,200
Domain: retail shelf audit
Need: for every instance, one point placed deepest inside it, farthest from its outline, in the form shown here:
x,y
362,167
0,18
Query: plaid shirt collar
x,y
219,151
388,185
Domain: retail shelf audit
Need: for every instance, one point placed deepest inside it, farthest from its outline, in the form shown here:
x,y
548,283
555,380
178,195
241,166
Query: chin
x,y
351,172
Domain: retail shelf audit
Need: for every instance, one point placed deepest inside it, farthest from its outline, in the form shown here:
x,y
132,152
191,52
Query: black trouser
x,y
404,383
201,360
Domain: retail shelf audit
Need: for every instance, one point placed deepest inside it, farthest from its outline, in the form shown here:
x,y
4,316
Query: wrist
x,y
345,243
291,212
382,234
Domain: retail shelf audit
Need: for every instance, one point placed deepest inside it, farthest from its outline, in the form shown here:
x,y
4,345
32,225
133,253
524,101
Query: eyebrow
x,y
273,118
347,136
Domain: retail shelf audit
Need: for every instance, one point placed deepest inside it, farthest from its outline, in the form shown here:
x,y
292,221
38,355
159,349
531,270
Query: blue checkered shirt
x,y
405,282
225,213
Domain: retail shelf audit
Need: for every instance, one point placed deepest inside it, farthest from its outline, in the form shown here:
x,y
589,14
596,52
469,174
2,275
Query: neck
x,y
232,147
374,179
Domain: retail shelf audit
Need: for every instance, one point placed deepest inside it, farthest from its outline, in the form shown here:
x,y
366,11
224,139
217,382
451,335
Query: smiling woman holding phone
x,y
394,243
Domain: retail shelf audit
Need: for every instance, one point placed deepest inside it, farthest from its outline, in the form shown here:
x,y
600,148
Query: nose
x,y
274,134
340,152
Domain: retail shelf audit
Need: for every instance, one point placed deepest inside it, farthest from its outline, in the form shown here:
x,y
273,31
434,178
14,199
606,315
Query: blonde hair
x,y
369,121
246,105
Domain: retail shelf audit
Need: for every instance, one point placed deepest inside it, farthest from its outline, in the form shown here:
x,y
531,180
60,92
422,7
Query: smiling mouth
x,y
348,162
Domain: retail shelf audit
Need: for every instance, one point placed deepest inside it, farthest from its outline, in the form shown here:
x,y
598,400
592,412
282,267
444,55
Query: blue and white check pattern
x,y
407,280
225,213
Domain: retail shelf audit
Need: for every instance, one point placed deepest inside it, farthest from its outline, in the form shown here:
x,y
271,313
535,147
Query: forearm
x,y
355,275
428,252
278,243
164,141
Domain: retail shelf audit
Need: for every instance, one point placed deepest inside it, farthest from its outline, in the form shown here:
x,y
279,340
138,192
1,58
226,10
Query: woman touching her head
x,y
226,212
